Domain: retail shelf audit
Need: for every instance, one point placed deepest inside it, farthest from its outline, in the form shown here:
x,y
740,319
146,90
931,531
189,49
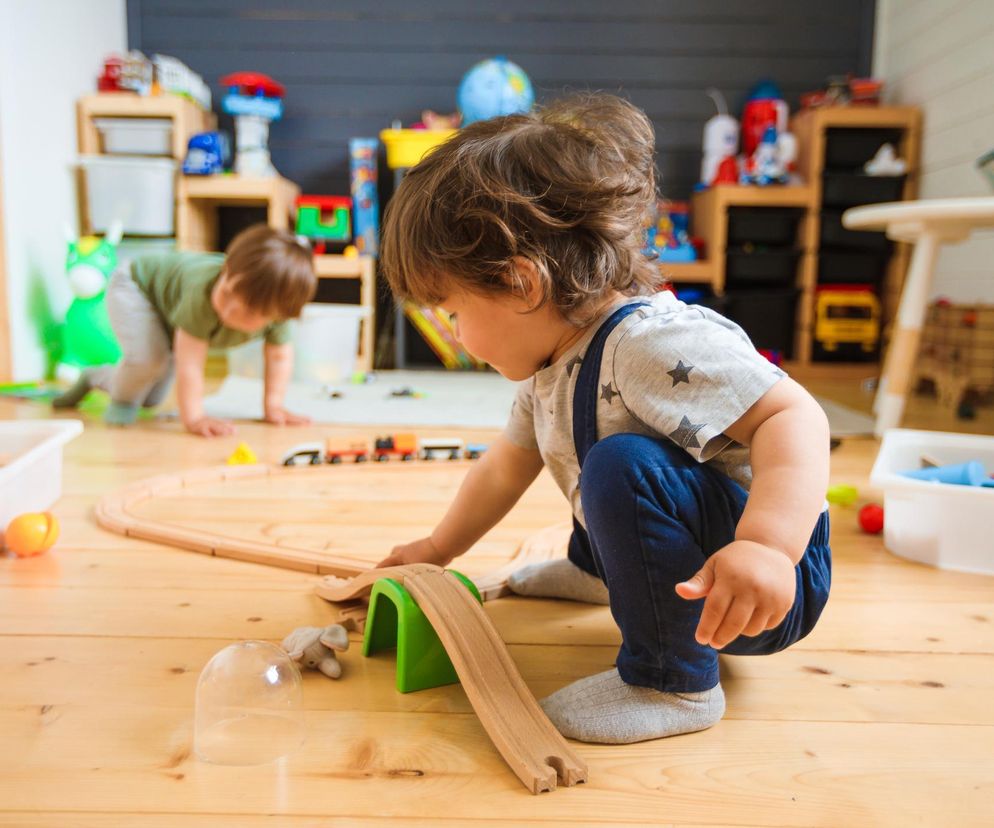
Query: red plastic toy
x,y
871,519
254,83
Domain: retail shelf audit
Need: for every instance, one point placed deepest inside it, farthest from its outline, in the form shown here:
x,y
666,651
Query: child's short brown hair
x,y
569,188
271,271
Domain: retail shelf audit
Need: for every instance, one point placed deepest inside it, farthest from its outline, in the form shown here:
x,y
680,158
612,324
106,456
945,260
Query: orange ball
x,y
31,534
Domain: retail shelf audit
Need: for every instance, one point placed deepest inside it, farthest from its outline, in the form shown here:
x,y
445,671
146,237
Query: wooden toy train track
x,y
519,728
121,512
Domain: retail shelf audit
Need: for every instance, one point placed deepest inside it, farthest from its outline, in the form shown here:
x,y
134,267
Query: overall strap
x,y
585,393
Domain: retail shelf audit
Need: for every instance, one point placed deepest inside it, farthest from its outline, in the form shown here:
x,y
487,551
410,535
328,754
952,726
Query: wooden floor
x,y
883,716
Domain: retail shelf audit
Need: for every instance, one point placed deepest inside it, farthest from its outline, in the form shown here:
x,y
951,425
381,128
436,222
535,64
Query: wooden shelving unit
x,y
710,217
199,196
188,118
711,206
363,269
700,272
811,130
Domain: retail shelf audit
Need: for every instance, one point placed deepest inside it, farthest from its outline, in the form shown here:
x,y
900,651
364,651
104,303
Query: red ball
x,y
871,519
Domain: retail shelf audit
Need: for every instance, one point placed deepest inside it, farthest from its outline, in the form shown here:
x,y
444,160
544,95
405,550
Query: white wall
x,y
939,55
51,52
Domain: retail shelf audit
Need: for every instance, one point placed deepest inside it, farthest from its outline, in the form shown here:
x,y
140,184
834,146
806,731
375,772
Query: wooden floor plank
x,y
880,717
393,764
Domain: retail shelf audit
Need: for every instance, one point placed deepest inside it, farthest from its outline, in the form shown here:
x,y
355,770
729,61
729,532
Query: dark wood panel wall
x,y
352,67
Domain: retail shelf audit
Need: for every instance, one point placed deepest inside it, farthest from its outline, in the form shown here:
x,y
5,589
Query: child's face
x,y
232,310
504,332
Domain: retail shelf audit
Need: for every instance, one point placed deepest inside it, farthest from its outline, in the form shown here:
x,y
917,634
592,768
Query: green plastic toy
x,y
87,336
395,620
324,218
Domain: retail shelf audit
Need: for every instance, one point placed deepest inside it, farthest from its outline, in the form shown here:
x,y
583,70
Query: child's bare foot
x,y
559,578
602,708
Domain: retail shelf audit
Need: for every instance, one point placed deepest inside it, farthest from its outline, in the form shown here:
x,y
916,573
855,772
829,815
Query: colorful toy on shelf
x,y
670,238
365,200
764,108
493,88
255,100
721,140
87,335
438,331
886,163
871,519
207,153
771,160
31,534
847,322
324,218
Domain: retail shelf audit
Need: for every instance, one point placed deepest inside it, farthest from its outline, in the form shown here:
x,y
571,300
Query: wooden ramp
x,y
519,728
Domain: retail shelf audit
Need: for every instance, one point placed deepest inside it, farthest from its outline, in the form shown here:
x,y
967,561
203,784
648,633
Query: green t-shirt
x,y
179,287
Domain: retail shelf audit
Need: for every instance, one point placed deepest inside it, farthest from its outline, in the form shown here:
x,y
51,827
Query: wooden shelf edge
x,y
699,272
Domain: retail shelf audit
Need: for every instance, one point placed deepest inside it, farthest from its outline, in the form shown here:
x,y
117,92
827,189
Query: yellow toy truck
x,y
847,322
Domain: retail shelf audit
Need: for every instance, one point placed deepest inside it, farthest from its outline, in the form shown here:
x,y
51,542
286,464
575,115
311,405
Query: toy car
x,y
431,448
304,454
404,446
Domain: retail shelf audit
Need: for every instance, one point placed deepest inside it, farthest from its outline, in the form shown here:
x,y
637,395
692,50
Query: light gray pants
x,y
145,371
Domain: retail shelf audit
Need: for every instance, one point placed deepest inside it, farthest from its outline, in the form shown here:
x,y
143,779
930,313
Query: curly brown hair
x,y
271,271
569,187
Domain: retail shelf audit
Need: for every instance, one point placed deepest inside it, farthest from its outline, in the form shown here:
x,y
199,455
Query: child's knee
x,y
626,458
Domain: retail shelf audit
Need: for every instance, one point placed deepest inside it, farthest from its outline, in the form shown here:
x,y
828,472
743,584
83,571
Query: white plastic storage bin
x,y
325,340
138,192
31,467
136,136
939,524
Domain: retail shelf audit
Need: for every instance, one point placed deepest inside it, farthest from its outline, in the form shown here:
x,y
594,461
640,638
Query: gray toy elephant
x,y
315,647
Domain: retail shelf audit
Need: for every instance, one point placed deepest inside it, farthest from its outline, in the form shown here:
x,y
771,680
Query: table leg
x,y
903,349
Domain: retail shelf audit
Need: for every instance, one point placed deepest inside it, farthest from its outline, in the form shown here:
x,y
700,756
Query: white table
x,y
926,224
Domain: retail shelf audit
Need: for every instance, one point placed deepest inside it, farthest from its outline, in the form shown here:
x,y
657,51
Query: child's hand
x,y
749,588
210,427
420,551
277,415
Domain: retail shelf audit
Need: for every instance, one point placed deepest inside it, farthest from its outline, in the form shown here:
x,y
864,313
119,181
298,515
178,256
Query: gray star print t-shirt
x,y
669,370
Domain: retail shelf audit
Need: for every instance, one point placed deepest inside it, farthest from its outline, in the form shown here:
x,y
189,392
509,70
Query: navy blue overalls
x,y
654,515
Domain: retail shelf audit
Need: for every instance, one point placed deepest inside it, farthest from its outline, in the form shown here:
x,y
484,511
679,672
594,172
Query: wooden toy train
x,y
405,446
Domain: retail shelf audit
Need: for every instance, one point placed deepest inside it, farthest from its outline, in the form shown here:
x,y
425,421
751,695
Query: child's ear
x,y
526,282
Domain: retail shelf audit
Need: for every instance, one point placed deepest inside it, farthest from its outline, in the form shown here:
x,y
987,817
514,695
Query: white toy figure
x,y
315,647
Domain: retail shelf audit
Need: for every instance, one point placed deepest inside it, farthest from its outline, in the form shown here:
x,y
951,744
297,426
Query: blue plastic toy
x,y
207,153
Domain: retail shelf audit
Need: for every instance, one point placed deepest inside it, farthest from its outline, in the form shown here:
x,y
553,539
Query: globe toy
x,y
492,88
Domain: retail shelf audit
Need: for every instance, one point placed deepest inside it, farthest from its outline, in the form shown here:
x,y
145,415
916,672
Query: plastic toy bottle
x,y
721,138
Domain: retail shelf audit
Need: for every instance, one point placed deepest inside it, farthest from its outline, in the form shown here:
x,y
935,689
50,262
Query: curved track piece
x,y
520,730
115,512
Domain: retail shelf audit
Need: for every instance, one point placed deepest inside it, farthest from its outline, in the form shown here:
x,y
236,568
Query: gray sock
x,y
559,578
602,708
74,396
120,414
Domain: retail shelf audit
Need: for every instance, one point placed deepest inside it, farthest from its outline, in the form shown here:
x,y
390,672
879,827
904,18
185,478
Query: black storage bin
x,y
766,266
763,225
851,148
833,234
766,315
852,189
851,266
